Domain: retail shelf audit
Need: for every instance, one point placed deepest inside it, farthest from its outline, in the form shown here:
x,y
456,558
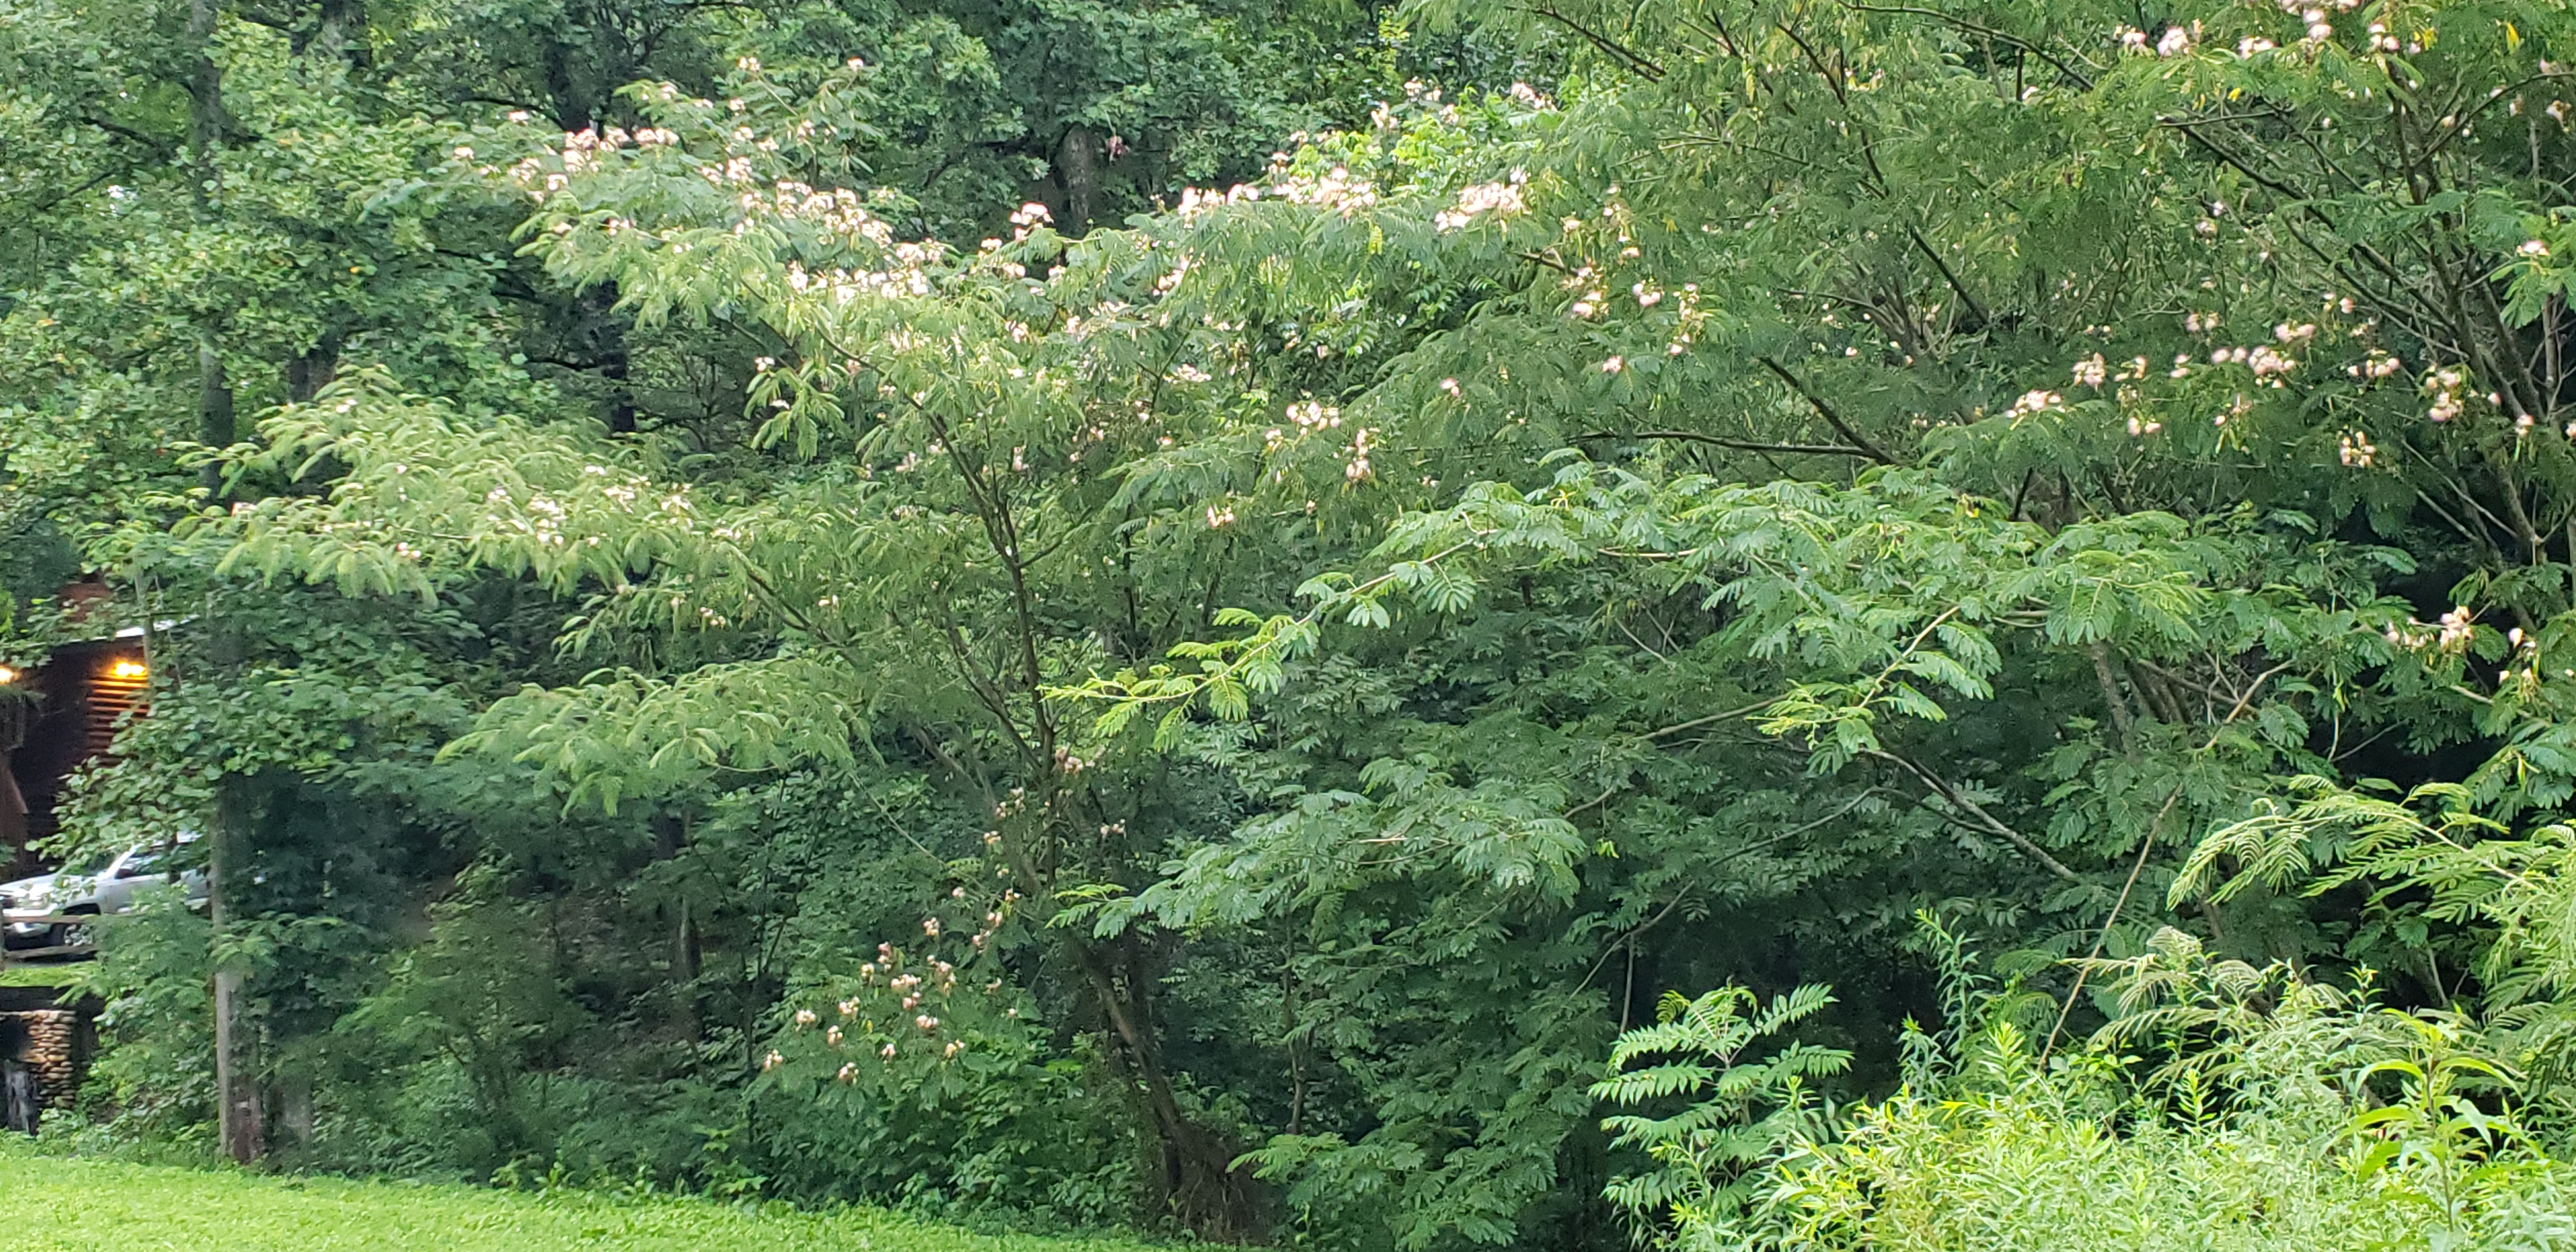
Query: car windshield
x,y
90,865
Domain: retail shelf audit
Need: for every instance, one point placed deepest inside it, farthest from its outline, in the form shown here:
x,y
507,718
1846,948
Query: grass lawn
x,y
17,975
51,1204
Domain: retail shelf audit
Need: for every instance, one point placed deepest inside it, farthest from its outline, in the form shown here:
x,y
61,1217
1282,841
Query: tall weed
x,y
2226,1107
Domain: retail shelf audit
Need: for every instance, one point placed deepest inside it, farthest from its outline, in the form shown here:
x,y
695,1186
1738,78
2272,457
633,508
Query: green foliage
x,y
2291,1117
1296,653
967,1114
1741,1111
157,1069
478,1002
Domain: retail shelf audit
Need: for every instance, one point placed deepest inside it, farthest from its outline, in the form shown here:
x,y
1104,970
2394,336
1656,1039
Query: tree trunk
x,y
344,33
670,838
236,1076
207,120
215,427
1194,1173
600,331
575,108
295,1111
309,373
207,123
236,1082
1077,170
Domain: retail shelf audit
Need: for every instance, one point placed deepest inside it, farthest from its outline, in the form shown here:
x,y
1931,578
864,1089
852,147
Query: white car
x,y
99,884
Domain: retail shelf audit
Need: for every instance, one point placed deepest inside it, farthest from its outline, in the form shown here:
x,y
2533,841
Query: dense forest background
x,y
1246,617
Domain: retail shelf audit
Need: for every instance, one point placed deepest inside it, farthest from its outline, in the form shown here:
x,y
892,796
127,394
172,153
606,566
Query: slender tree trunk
x,y
1077,170
207,123
207,120
215,427
236,1075
600,330
670,838
1194,1173
1194,1177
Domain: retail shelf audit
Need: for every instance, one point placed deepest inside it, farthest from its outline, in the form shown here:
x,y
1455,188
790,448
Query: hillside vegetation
x,y
1392,627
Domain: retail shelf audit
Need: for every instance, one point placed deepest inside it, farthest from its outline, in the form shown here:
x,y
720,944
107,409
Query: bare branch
x,y
1826,411
1740,445
1985,821
1635,62
2082,81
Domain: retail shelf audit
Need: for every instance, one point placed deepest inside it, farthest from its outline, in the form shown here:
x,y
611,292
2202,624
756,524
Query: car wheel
x,y
78,934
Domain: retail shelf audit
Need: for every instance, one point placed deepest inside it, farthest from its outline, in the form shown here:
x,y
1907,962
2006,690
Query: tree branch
x,y
1957,288
1985,821
1740,445
2082,81
1634,61
1826,411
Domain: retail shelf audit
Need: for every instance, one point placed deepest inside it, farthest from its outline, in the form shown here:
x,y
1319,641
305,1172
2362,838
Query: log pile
x,y
47,1044
53,1051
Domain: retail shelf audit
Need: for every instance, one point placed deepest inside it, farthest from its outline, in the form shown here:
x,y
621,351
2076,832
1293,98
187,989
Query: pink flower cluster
x,y
1501,199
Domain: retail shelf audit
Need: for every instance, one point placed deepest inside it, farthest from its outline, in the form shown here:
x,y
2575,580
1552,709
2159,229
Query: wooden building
x,y
53,719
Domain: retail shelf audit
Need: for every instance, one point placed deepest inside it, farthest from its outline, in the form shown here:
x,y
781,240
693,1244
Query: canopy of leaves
x,y
1192,614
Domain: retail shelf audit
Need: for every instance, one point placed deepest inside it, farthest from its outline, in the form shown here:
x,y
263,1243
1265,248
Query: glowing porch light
x,y
127,670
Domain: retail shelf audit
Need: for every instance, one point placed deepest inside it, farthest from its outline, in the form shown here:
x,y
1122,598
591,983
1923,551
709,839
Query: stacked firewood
x,y
52,1050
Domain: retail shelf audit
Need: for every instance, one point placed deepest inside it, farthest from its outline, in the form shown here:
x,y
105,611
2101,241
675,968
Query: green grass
x,y
60,1204
16,975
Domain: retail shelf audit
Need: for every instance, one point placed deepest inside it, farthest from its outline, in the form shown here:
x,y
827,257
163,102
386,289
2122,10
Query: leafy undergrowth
x,y
54,1204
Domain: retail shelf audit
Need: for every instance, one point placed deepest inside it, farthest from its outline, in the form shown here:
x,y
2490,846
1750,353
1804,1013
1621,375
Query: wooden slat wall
x,y
110,699
92,700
